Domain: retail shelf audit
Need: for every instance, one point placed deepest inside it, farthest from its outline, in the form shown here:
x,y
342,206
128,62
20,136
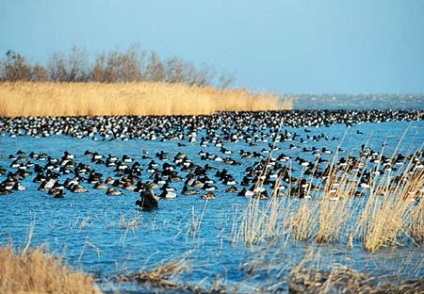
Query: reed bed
x,y
144,98
37,271
388,212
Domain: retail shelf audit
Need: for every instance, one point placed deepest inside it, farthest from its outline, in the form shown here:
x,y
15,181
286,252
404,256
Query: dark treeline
x,y
132,65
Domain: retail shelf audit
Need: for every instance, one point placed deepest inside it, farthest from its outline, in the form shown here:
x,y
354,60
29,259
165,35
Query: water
x,y
359,101
86,229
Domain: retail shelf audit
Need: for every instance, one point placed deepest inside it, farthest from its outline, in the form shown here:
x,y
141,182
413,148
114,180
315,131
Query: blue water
x,y
85,229
358,101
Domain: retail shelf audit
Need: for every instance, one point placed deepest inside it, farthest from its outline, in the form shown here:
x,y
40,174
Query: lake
x,y
109,236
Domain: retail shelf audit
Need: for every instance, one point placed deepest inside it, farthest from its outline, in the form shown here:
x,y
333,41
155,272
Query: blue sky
x,y
297,46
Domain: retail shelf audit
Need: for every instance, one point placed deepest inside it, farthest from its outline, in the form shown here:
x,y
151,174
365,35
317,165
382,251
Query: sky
x,y
282,46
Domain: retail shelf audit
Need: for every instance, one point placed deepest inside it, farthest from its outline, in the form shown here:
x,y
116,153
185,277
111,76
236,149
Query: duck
x,y
100,185
261,195
113,192
127,159
187,191
58,191
246,193
18,187
4,190
208,196
76,188
167,192
59,194
231,189
56,187
46,184
148,201
68,156
209,187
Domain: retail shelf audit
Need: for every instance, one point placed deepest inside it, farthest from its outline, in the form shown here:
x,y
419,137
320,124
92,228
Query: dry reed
x,y
161,275
195,222
132,223
37,271
145,98
341,279
390,215
259,223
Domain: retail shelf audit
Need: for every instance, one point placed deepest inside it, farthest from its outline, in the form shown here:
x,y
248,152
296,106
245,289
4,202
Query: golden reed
x,y
37,271
144,98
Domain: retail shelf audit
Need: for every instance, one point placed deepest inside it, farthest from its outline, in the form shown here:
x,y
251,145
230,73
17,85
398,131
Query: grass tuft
x,y
37,271
160,276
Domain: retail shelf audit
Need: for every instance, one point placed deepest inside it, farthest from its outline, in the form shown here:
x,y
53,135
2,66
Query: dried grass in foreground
x,y
36,271
163,277
345,280
157,277
144,98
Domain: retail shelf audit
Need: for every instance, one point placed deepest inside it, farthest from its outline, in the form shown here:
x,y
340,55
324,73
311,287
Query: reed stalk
x,y
390,214
196,222
144,98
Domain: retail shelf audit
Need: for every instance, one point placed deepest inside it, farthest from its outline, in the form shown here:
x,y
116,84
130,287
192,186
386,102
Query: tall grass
x,y
37,271
390,214
195,222
144,98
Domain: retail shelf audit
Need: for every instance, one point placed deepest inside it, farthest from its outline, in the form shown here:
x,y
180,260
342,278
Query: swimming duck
x,y
167,194
208,196
149,201
187,191
113,192
4,190
76,188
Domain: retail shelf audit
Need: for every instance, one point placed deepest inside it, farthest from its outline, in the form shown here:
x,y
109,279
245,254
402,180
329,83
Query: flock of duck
x,y
254,125
250,154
